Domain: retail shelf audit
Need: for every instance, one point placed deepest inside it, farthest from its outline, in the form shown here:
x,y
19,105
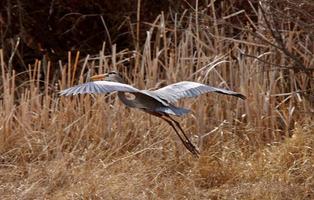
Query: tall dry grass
x,y
92,147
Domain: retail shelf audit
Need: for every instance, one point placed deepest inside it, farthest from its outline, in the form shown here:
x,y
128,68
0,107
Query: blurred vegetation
x,y
54,27
92,147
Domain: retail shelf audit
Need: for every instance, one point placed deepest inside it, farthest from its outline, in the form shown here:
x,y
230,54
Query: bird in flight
x,y
159,103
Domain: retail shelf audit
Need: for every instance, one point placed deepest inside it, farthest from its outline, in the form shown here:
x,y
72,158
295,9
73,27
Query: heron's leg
x,y
188,145
186,138
186,142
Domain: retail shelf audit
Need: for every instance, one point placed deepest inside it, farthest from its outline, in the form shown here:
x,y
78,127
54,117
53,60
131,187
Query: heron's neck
x,y
124,100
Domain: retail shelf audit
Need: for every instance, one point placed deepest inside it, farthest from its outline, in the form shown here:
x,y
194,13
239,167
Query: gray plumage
x,y
172,93
158,102
97,87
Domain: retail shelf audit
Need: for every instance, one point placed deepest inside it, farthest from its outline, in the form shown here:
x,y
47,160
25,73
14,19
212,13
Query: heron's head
x,y
110,76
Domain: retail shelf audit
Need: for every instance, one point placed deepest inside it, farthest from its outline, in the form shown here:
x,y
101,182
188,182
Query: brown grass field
x,y
93,147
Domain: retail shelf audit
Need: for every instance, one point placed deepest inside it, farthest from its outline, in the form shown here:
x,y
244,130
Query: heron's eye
x,y
112,73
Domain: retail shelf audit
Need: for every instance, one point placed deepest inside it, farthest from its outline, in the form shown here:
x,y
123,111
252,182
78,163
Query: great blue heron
x,y
158,102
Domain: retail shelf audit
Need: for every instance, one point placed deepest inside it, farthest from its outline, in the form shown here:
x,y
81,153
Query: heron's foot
x,y
192,149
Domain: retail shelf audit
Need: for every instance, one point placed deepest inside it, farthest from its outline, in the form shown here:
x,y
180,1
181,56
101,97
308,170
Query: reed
x,y
92,147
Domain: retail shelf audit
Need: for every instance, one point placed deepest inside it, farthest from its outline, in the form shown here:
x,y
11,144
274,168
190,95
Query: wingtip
x,y
64,93
242,96
61,93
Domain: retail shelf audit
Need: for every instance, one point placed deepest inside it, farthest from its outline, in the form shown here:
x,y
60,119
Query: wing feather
x,y
104,87
76,90
184,89
97,87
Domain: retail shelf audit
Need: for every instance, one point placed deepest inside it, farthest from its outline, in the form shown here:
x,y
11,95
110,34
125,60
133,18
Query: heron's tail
x,y
173,110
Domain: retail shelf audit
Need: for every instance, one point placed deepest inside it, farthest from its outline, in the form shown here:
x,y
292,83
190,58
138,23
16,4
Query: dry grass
x,y
89,147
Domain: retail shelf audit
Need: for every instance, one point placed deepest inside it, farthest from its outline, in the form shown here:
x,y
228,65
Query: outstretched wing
x,y
104,87
97,87
184,89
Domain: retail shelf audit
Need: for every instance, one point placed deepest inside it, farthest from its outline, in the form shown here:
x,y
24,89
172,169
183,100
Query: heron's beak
x,y
99,77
